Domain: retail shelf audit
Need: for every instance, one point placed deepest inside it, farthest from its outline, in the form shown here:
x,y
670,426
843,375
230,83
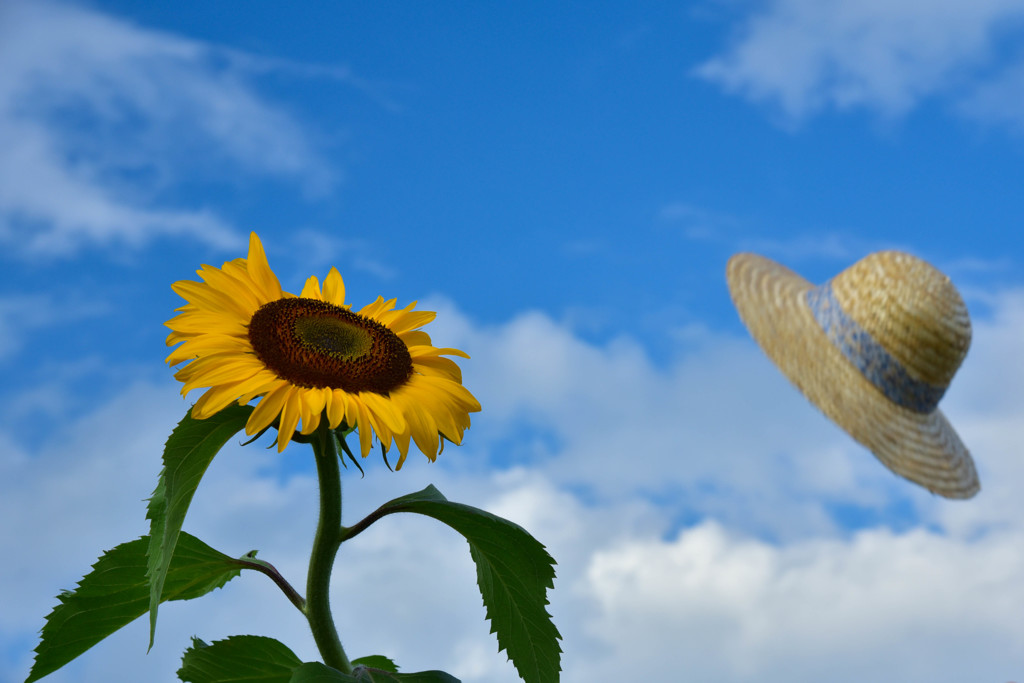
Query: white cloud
x,y
710,605
688,507
98,115
720,431
806,55
986,406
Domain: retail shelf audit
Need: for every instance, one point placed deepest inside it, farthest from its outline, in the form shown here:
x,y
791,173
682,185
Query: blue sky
x,y
564,184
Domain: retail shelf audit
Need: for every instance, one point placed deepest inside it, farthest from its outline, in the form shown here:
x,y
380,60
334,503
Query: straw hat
x,y
874,348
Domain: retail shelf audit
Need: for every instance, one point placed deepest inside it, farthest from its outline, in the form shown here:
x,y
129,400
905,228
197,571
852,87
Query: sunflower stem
x,y
325,548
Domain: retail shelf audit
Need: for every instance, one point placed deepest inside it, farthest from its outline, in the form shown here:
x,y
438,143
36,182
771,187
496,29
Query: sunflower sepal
x,y
255,437
341,445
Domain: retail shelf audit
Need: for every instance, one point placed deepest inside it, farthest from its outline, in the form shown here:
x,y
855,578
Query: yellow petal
x,y
377,308
208,323
208,344
289,418
401,321
220,368
240,290
385,410
421,425
441,367
268,409
362,424
258,385
334,288
211,300
311,290
212,402
312,401
402,443
414,338
336,408
256,265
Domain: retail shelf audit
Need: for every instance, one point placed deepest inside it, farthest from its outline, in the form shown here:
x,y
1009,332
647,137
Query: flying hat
x,y
874,348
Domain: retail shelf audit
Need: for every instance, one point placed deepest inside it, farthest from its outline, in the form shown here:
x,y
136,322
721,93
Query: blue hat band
x,y
876,364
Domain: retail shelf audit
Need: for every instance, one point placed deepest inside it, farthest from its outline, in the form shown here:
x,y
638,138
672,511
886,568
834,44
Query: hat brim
x,y
924,448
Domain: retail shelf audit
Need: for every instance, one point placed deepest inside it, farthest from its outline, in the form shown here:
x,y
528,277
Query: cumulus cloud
x,y
806,55
691,507
772,582
880,606
97,116
720,430
987,406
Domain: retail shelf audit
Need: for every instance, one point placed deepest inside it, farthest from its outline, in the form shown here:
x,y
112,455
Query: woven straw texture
x,y
913,312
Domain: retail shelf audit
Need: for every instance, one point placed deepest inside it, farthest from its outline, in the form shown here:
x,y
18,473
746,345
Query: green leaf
x,y
377,676
187,454
315,672
377,662
238,659
514,573
116,592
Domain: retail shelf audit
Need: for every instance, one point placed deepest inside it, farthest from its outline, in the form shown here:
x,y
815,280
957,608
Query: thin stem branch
x,y
270,570
350,532
325,548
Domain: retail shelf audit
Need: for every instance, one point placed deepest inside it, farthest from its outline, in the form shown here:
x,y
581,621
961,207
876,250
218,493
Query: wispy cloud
x,y
806,55
698,223
320,250
997,100
20,315
827,245
98,117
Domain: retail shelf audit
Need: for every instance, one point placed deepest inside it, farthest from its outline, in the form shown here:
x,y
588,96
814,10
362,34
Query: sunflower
x,y
310,358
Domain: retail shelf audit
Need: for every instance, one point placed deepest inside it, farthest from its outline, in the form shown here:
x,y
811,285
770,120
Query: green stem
x,y
350,532
325,548
263,567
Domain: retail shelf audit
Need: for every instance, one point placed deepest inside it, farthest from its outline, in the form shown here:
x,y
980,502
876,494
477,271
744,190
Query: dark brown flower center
x,y
312,343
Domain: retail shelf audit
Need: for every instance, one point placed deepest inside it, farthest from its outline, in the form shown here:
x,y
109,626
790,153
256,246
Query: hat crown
x,y
911,309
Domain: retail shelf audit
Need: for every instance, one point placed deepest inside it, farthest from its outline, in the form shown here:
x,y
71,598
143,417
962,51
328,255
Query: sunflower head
x,y
311,358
